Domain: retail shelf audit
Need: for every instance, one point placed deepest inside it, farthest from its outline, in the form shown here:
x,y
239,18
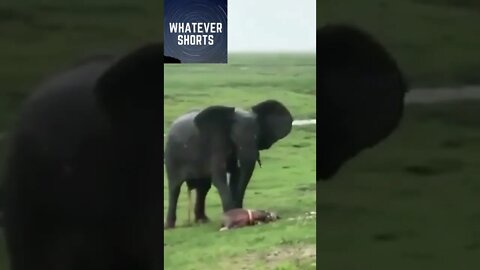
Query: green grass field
x,y
410,203
285,183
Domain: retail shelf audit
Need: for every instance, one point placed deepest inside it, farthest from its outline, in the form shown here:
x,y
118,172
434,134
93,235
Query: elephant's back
x,y
184,145
183,130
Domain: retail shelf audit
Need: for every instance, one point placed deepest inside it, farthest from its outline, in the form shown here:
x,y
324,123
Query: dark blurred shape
x,y
171,60
82,171
360,92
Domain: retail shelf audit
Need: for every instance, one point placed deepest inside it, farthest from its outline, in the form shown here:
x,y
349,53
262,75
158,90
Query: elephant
x,y
204,145
360,95
83,173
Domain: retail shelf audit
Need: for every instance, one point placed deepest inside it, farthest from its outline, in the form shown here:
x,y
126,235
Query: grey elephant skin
x,y
360,95
203,146
83,172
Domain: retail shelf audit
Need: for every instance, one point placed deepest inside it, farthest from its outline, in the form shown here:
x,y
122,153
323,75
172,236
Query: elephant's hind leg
x,y
173,193
202,189
174,186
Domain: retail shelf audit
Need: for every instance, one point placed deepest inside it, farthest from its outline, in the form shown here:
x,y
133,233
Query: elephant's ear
x,y
360,92
215,119
275,122
133,84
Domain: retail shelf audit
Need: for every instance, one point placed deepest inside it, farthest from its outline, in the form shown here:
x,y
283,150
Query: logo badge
x,y
196,30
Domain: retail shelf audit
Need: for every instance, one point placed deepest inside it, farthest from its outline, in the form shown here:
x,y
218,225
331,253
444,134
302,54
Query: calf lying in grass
x,y
237,218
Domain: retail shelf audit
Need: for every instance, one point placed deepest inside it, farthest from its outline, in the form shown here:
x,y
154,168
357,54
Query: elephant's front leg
x,y
239,181
219,180
202,190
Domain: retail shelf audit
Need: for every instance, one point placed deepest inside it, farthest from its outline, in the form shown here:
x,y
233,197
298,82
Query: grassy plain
x,y
410,203
285,183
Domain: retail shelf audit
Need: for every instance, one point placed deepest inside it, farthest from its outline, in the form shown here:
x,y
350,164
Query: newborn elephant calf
x,y
237,218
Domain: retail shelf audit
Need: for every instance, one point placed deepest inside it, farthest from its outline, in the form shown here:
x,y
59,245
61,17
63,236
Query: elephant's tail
x,y
189,190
